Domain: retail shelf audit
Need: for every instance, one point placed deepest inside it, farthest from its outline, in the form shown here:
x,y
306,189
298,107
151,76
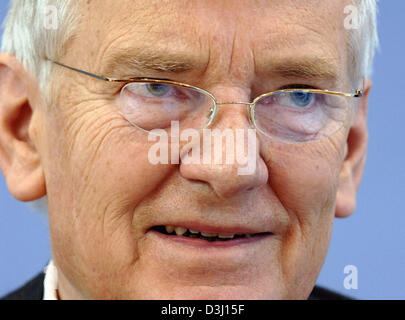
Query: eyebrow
x,y
304,68
122,61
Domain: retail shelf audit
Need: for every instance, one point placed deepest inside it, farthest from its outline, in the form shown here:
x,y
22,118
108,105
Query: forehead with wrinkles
x,y
178,36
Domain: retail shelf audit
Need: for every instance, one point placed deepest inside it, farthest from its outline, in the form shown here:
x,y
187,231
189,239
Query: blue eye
x,y
302,99
158,89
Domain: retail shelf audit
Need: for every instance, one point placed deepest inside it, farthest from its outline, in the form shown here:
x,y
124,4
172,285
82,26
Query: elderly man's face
x,y
105,195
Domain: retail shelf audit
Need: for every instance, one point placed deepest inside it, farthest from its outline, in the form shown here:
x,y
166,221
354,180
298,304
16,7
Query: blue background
x,y
373,239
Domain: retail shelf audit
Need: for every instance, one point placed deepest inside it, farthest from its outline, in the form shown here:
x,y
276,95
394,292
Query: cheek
x,y
104,173
304,178
102,160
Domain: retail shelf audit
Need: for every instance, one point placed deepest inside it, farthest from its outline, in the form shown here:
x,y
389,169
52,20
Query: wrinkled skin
x,y
103,193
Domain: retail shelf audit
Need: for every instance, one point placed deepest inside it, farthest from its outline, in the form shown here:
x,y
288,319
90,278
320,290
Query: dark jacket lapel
x,y
32,290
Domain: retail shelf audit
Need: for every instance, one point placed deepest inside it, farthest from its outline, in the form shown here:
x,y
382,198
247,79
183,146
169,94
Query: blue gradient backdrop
x,y
373,239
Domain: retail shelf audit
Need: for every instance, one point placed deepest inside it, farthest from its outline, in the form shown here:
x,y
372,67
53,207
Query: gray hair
x,y
26,37
363,40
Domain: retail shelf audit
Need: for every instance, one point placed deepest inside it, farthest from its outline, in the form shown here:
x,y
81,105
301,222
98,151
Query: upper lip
x,y
207,228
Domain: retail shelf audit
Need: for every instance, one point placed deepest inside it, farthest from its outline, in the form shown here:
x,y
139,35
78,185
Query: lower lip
x,y
201,243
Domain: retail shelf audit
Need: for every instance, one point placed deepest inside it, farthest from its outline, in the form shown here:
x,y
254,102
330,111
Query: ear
x,y
353,165
19,159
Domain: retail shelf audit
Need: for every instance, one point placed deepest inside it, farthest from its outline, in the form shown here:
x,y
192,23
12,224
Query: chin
x,y
198,292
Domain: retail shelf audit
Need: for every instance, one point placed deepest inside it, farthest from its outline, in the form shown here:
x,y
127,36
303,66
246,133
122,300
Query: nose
x,y
228,158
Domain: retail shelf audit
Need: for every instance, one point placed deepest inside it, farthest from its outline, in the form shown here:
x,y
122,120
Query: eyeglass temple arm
x,y
102,77
84,72
360,92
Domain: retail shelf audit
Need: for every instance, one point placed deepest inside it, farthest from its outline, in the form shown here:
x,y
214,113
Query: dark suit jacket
x,y
34,290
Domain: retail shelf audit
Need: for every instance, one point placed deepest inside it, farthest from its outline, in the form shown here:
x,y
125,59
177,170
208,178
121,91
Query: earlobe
x,y
353,165
19,159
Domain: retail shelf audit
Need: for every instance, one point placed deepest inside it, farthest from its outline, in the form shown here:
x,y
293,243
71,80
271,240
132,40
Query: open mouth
x,y
184,232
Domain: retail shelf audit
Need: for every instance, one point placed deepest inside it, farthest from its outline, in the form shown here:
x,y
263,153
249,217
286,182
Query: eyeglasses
x,y
289,115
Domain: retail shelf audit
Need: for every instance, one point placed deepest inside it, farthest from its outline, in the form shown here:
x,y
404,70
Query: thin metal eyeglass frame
x,y
359,93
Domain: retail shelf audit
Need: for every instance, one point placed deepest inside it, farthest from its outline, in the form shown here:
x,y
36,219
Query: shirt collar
x,y
51,282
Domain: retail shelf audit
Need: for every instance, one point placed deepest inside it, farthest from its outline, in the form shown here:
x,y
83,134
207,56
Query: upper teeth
x,y
180,231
